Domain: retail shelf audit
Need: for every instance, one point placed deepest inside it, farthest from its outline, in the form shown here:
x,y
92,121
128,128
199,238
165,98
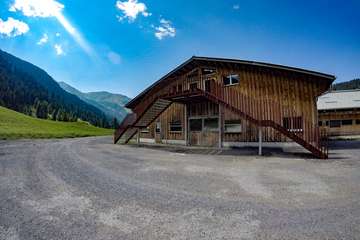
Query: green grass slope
x,y
14,125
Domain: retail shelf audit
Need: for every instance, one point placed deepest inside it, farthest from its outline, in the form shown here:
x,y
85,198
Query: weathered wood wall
x,y
343,130
293,90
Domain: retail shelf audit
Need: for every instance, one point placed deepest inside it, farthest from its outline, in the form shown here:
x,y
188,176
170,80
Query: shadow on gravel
x,y
344,144
235,151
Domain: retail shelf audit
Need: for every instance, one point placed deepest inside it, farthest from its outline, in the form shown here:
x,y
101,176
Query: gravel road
x,y
90,189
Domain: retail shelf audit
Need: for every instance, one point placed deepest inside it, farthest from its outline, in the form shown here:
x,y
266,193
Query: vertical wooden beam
x,y
221,125
186,124
138,136
260,141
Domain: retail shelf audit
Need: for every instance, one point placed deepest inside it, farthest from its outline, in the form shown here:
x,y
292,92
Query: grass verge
x,y
14,125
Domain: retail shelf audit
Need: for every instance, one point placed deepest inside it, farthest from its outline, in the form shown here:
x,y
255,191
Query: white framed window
x,y
158,127
233,126
211,124
145,130
231,79
175,126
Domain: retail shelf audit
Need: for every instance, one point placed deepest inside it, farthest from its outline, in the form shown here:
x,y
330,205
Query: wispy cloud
x,y
59,50
131,9
165,29
114,57
236,6
44,39
12,27
50,8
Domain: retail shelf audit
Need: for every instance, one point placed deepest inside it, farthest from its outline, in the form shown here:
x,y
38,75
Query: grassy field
x,y
14,125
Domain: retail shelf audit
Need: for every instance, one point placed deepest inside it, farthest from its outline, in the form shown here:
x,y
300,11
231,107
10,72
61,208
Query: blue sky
x,y
124,46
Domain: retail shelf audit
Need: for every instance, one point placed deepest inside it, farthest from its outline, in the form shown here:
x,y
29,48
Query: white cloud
x,y
114,57
44,39
165,29
57,34
13,27
37,8
50,8
59,50
131,9
236,6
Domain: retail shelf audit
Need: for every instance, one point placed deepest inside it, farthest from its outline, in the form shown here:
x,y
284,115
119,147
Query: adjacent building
x,y
339,112
229,102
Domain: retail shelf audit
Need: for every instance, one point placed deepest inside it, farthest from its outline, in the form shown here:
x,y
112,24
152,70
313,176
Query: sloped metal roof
x,y
346,99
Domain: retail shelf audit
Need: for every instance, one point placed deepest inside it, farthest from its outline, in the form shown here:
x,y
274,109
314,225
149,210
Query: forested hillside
x,y
353,84
28,89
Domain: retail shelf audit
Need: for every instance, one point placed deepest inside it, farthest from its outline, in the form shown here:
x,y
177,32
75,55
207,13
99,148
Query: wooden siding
x,y
293,90
343,130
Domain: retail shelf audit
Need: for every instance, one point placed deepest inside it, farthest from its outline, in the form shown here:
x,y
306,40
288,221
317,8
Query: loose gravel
x,y
91,189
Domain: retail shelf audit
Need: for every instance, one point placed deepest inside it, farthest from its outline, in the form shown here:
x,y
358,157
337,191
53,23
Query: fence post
x,y
260,140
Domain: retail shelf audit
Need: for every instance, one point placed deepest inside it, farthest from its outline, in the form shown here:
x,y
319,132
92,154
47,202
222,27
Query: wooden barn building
x,y
227,102
339,112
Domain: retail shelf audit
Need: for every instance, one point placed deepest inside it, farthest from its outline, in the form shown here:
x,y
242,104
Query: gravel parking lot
x,y
91,189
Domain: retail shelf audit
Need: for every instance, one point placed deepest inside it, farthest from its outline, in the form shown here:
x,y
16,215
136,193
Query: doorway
x,y
204,131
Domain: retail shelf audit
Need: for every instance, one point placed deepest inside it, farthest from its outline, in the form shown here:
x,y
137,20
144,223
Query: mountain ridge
x,y
112,104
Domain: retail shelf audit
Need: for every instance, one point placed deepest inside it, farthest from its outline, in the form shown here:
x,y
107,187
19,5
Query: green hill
x,y
15,125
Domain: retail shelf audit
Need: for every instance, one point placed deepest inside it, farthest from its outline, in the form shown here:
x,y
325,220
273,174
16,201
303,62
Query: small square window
x,y
193,86
231,79
158,127
357,121
335,123
175,126
346,122
233,126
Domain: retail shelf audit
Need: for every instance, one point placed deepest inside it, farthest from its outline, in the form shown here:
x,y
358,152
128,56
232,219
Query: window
x,y
195,125
233,126
175,126
158,127
297,123
179,88
193,86
327,123
145,130
294,124
320,123
287,123
211,124
357,121
335,123
231,80
208,71
346,122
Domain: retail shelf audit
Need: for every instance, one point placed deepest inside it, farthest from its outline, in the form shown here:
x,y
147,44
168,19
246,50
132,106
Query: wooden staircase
x,y
309,137
248,108
136,121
